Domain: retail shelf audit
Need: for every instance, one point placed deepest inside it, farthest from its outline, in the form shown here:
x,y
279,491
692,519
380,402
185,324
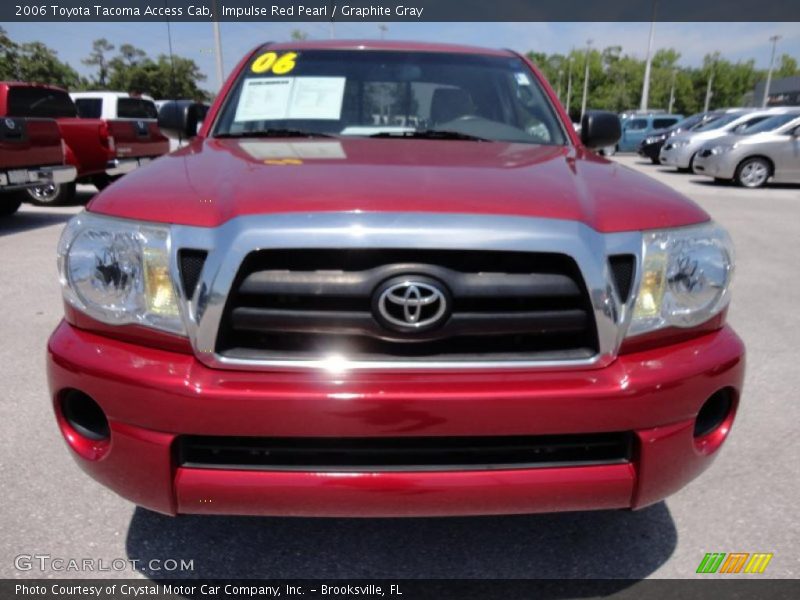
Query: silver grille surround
x,y
229,244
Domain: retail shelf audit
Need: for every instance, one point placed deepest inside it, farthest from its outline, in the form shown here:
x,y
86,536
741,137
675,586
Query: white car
x,y
680,151
114,105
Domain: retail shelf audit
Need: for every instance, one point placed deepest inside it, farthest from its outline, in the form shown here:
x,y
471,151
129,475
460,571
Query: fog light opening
x,y
85,416
713,413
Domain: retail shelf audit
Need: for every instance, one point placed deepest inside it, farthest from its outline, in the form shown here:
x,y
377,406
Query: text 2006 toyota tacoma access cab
x,y
389,279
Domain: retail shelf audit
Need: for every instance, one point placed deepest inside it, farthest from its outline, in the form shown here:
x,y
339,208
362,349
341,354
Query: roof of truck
x,y
405,46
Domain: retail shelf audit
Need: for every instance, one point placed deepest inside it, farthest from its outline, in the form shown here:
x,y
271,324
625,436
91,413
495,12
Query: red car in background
x,y
100,149
390,279
32,154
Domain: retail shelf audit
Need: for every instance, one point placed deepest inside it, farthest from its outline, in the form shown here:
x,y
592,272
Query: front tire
x,y
102,181
655,160
9,204
753,173
52,194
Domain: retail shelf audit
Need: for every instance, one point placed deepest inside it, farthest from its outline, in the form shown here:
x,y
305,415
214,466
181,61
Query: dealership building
x,y
782,92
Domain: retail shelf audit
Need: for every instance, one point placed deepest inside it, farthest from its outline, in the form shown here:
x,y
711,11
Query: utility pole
x,y
708,89
648,62
333,29
586,79
560,75
774,39
569,82
218,46
672,91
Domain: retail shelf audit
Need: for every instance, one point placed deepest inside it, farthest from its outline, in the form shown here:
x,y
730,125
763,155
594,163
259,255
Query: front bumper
x,y
26,178
720,166
122,166
676,156
151,396
651,150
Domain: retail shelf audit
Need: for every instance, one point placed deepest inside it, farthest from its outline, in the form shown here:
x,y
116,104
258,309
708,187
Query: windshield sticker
x,y
522,78
270,62
264,151
276,98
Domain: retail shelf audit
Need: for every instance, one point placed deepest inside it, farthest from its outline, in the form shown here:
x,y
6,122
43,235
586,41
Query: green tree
x,y
39,64
787,67
98,58
298,35
9,55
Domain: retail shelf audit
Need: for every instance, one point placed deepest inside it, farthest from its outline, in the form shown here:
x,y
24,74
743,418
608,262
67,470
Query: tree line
x,y
615,79
124,68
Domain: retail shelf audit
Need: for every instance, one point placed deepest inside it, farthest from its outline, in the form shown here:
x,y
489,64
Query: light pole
x,y
774,39
569,83
586,79
708,89
672,91
218,46
560,75
648,62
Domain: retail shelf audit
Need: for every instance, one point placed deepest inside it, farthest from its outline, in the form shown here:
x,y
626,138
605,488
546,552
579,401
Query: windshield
x,y
771,124
719,122
386,93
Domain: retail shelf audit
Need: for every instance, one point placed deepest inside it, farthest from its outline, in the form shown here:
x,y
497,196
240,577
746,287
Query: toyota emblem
x,y
10,123
411,303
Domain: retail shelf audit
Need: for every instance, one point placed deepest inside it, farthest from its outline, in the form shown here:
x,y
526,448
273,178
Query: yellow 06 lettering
x,y
284,64
264,62
279,65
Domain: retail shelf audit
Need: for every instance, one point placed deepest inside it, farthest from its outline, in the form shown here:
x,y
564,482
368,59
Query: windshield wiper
x,y
274,132
430,134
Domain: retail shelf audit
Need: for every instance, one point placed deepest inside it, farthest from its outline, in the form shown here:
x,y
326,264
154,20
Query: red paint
x,y
212,181
158,391
152,388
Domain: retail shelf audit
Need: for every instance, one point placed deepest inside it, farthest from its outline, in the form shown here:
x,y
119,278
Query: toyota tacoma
x,y
390,279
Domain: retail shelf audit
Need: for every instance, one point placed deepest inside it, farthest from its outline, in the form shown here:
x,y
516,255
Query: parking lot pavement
x,y
747,501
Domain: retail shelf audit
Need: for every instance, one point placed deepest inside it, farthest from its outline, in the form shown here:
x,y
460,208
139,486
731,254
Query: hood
x,y
214,180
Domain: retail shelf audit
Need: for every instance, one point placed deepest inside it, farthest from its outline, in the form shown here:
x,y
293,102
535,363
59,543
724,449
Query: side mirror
x,y
600,128
178,119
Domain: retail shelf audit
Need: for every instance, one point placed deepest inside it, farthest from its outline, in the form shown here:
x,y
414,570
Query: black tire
x,y
690,168
9,204
753,172
101,182
655,160
52,195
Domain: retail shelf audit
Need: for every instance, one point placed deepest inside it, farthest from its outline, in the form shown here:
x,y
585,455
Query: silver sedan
x,y
769,151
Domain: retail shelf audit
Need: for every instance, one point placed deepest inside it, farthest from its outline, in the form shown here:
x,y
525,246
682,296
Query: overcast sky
x,y
736,41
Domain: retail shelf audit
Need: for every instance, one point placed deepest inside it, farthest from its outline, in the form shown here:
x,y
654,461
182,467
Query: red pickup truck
x,y
389,278
31,154
101,150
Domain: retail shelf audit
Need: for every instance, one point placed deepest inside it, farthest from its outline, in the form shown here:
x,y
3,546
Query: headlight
x,y
655,138
686,278
722,148
117,272
680,143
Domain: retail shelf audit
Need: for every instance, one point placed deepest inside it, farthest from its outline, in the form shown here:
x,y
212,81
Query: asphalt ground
x,y
746,502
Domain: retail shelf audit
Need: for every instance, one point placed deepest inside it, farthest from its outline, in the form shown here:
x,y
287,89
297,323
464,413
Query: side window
x,y
637,125
663,123
136,108
748,124
89,108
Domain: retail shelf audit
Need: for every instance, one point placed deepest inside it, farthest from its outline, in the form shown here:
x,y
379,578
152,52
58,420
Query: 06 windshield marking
x,y
389,94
